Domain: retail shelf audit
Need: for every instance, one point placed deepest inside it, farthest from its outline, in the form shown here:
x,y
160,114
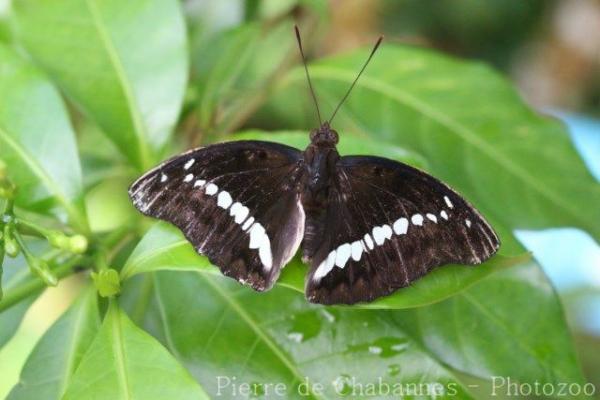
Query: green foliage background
x,y
93,93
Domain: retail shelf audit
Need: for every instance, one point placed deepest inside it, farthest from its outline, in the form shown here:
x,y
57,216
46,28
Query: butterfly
x,y
366,225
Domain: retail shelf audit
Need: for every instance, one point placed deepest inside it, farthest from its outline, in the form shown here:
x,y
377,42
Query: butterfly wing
x,y
236,202
386,225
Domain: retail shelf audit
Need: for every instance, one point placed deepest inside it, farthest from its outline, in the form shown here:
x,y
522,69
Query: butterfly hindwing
x,y
237,202
386,225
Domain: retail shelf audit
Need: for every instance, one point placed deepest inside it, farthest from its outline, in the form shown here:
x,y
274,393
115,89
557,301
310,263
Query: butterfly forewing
x,y
386,225
238,203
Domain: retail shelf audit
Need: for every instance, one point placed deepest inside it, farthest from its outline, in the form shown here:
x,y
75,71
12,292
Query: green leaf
x,y
124,63
124,362
15,274
510,324
37,142
165,248
10,319
216,329
277,337
55,358
469,123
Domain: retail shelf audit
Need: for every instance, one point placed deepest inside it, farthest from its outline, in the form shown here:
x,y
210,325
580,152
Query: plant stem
x,y
32,229
35,284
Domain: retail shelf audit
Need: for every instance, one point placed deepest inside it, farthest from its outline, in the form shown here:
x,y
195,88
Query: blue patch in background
x,y
569,256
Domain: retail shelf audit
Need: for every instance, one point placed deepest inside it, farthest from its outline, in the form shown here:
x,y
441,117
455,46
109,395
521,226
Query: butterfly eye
x,y
333,136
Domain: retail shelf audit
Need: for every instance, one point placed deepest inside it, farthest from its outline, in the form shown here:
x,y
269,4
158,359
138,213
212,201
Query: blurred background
x,y
550,49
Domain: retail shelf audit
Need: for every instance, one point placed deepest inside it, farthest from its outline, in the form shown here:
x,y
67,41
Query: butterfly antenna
x,y
310,86
356,79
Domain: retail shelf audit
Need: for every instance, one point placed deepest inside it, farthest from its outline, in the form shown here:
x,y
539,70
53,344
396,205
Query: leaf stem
x,y
33,229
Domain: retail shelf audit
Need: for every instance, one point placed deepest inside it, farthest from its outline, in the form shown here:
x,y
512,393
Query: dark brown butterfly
x,y
367,225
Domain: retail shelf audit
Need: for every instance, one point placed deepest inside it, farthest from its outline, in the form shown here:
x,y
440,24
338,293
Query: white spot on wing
x,y
189,163
256,236
239,212
234,208
417,219
468,223
401,226
343,253
163,177
387,231
444,215
260,240
448,202
431,217
378,235
264,253
211,189
321,271
357,249
369,242
247,224
199,183
188,178
224,199
325,266
331,260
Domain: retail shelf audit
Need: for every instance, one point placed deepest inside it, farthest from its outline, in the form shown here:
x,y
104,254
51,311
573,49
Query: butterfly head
x,y
324,136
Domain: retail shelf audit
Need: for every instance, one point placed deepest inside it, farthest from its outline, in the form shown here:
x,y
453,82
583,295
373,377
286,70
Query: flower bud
x,y
78,244
107,282
58,240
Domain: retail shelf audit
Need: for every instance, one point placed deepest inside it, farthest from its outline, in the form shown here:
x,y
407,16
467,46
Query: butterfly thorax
x,y
320,158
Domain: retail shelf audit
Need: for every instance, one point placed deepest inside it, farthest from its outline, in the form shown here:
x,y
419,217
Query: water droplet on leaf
x,y
393,369
343,385
295,336
384,347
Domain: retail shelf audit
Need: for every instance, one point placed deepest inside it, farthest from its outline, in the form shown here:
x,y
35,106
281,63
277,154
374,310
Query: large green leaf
x,y
165,248
216,329
55,358
37,142
124,362
507,324
123,62
469,123
510,324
